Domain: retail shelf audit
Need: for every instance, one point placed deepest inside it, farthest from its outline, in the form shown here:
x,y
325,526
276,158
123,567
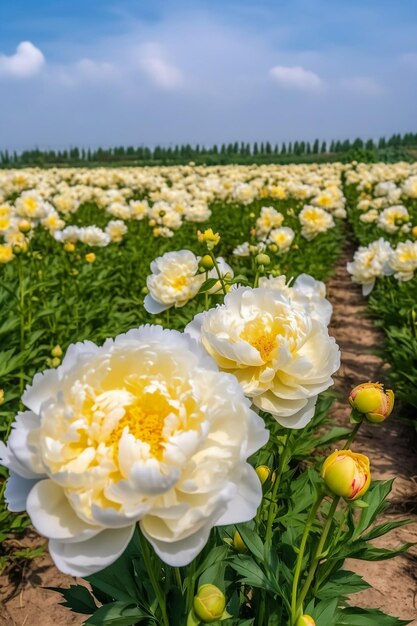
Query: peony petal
x,y
23,442
244,505
93,555
154,307
43,387
180,553
53,516
301,418
17,491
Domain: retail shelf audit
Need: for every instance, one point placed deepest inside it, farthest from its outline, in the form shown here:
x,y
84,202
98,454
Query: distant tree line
x,y
264,152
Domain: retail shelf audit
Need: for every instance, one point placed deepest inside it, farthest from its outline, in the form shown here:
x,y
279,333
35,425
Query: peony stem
x,y
160,596
352,435
282,461
219,274
318,553
300,556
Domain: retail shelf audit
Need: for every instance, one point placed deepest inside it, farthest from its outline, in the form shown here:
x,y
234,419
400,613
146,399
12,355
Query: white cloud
x,y
295,77
27,61
363,85
161,73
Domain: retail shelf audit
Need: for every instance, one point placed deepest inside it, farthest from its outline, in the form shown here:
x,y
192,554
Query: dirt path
x,y
391,448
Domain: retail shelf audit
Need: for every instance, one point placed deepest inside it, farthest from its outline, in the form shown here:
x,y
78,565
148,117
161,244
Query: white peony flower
x,y
282,238
402,262
143,429
314,221
368,264
282,355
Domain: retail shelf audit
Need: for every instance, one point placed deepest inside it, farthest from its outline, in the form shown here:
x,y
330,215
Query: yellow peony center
x,y
145,421
178,283
260,337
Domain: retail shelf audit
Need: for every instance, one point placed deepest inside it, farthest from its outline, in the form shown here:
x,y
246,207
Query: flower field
x,y
165,385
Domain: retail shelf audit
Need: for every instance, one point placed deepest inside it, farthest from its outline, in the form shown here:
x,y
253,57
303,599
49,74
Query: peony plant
x,y
164,466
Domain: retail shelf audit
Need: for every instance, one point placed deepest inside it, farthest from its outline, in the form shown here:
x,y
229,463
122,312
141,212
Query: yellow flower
x,y
1,396
210,238
414,232
372,401
347,474
90,257
69,247
263,472
209,603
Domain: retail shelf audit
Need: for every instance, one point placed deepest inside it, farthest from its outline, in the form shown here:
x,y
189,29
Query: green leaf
x,y
117,614
208,284
251,573
252,540
77,598
354,616
375,498
342,583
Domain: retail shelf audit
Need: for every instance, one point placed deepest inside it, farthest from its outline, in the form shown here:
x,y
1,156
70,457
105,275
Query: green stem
x,y
282,461
160,596
261,609
318,553
256,280
352,435
219,274
206,297
326,570
300,556
178,578
190,586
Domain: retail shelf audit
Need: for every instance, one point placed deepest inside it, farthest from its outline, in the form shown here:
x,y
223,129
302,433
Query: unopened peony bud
x,y
414,232
305,620
263,472
90,257
209,603
206,262
25,226
69,247
57,351
238,543
262,259
372,401
347,474
1,396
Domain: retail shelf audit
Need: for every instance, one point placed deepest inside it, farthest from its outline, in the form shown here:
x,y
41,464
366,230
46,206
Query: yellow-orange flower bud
x,y
1,396
305,620
347,474
263,472
372,401
90,257
414,232
69,247
209,603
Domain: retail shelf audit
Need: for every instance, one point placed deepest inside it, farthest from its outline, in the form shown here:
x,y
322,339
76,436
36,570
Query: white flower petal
x,y
52,515
92,555
17,491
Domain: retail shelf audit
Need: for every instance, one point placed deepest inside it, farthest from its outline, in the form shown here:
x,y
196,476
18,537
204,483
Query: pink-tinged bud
x,y
305,620
347,474
372,401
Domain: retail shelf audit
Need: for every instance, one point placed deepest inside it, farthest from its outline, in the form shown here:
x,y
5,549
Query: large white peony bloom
x,y
279,351
144,428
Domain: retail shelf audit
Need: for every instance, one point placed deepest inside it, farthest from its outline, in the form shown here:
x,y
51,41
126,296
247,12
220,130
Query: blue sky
x,y
163,71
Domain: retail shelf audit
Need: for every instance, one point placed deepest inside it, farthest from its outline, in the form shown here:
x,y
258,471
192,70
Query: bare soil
x,y
25,601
